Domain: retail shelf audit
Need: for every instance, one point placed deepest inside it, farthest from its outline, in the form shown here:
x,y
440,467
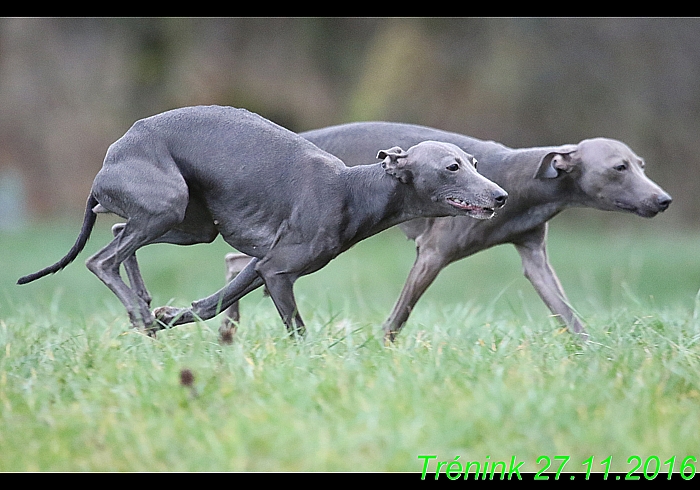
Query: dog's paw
x,y
169,316
226,332
389,337
153,329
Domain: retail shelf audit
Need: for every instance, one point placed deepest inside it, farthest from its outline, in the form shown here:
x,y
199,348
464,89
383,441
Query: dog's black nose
x,y
664,201
501,199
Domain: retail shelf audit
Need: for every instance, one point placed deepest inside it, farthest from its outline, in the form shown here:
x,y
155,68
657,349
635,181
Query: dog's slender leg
x,y
536,267
235,263
131,266
280,286
206,308
280,269
105,265
429,262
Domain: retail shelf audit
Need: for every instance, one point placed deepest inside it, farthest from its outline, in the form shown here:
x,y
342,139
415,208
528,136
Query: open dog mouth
x,y
479,212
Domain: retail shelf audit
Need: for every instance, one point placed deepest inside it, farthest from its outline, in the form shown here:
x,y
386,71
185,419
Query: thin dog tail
x,y
88,224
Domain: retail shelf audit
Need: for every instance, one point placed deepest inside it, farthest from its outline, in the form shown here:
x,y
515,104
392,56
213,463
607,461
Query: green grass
x,y
480,371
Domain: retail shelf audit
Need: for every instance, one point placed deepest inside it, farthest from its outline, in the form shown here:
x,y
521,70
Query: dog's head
x,y
607,175
444,177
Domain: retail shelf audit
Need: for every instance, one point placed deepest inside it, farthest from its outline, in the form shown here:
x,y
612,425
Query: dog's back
x,y
220,152
357,143
207,142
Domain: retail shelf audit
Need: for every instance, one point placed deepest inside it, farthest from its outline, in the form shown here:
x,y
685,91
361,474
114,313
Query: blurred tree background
x,y
70,87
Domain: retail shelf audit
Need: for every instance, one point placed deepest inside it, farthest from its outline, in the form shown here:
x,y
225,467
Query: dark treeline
x,y
70,87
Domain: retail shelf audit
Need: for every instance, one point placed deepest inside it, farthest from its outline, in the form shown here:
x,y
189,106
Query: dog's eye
x,y
453,168
474,162
620,168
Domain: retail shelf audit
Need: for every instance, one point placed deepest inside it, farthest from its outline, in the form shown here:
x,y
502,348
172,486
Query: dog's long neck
x,y
518,174
375,201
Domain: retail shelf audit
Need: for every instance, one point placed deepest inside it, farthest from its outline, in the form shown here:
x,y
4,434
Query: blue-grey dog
x,y
599,173
188,175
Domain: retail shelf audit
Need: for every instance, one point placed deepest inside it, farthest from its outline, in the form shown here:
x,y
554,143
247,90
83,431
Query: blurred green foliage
x,y
70,87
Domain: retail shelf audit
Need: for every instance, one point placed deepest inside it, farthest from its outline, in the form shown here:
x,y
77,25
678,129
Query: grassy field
x,y
480,372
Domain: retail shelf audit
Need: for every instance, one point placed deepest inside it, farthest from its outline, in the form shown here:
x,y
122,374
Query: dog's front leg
x,y
206,308
280,269
280,287
536,267
235,263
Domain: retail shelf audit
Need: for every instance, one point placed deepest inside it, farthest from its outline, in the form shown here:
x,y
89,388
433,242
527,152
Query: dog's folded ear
x,y
556,161
394,152
394,162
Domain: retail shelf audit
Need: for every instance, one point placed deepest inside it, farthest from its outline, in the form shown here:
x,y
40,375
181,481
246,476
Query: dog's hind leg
x,y
429,262
131,266
106,262
235,262
196,227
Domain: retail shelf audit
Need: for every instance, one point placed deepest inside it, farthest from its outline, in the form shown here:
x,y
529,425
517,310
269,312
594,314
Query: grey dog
x,y
187,175
599,173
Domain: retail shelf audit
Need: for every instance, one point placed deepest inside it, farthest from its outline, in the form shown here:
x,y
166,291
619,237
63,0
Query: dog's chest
x,y
522,221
